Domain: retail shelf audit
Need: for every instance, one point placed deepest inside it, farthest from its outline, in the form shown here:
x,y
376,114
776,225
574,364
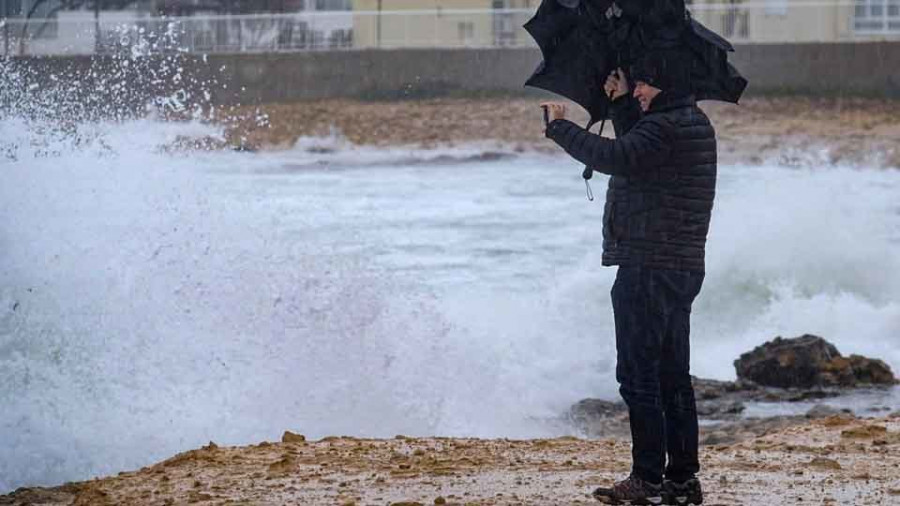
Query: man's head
x,y
661,70
645,93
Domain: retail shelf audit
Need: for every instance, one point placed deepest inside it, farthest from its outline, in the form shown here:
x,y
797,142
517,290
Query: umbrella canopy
x,y
582,41
577,58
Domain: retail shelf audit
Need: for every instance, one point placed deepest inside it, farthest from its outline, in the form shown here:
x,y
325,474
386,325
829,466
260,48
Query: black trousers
x,y
652,310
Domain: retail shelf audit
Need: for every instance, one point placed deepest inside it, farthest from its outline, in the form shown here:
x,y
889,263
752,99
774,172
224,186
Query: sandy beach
x,y
792,131
839,460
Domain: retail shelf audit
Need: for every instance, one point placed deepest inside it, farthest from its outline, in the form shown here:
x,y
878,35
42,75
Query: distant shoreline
x,y
792,131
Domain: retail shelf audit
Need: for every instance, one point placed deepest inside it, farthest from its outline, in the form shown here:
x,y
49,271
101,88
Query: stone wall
x,y
868,69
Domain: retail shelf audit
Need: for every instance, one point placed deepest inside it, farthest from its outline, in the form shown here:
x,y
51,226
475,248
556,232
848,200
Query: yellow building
x,y
440,23
772,21
493,23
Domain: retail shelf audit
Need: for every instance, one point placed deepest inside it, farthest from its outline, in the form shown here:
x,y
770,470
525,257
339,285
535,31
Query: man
x,y
655,223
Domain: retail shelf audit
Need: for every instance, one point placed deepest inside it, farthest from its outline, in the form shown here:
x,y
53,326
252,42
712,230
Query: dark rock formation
x,y
871,371
809,362
731,432
822,411
719,400
605,419
717,410
807,368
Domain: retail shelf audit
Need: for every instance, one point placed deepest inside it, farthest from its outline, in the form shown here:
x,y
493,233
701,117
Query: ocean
x,y
152,301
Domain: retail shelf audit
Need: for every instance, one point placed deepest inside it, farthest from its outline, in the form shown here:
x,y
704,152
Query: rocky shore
x,y
834,461
824,456
805,369
792,131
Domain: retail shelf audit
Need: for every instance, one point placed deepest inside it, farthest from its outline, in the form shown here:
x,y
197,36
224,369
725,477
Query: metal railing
x,y
770,21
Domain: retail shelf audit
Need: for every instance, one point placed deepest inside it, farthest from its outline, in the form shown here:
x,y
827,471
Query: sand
x,y
789,131
837,460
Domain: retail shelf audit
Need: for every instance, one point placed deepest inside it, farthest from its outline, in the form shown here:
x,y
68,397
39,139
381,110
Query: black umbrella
x,y
577,58
582,41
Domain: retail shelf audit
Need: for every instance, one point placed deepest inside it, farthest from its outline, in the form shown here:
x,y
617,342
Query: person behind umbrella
x,y
655,222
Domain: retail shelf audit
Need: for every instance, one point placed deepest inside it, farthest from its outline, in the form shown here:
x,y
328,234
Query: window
x,y
736,21
11,8
776,7
876,16
466,31
334,5
504,24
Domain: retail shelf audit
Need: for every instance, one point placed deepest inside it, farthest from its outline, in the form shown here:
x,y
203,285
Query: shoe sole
x,y
650,501
682,501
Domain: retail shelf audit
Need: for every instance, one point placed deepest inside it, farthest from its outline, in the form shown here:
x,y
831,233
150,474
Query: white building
x,y
313,24
345,24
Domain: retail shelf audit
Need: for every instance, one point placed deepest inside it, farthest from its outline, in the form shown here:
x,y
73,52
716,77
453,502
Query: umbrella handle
x,y
589,172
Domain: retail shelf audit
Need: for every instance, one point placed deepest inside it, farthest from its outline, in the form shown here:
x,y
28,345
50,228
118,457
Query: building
x,y
773,21
176,25
497,23
299,25
441,23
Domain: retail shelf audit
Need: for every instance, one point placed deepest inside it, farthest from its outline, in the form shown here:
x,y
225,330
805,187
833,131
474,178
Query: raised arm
x,y
646,145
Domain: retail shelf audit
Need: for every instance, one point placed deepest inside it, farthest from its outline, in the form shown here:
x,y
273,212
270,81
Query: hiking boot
x,y
631,490
683,493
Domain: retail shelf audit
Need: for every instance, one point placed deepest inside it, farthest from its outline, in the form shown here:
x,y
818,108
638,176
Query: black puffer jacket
x,y
660,195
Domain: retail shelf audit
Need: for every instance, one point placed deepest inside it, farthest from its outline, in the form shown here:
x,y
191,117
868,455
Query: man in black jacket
x,y
655,222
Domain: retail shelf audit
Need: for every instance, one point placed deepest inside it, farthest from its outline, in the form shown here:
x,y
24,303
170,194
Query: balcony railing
x,y
769,21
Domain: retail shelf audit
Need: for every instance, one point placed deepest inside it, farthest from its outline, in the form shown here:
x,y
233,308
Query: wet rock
x,y
784,370
599,418
838,420
282,467
597,408
712,437
290,437
195,497
65,494
824,464
707,389
92,496
871,371
864,432
809,362
717,409
735,431
822,411
748,391
798,395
